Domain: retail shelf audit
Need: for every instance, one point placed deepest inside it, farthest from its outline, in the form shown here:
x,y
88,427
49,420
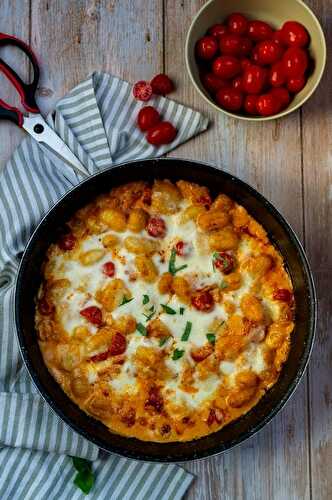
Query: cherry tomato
x,y
267,105
282,96
142,91
162,133
237,24
245,63
230,44
218,30
206,48
118,344
229,98
254,79
295,62
100,357
277,37
183,249
237,83
294,34
224,262
250,104
92,314
212,83
202,300
109,269
215,415
283,295
147,117
162,84
259,30
67,242
156,227
268,52
254,55
277,75
245,46
226,67
294,85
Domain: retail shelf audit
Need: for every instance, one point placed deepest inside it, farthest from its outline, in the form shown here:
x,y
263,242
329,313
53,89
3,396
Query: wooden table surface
x,y
288,160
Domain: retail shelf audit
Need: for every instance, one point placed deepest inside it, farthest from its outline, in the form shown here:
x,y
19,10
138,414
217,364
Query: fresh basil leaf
x,y
149,316
182,309
141,329
223,285
211,338
125,300
177,354
187,330
163,341
146,299
167,309
84,480
171,266
81,464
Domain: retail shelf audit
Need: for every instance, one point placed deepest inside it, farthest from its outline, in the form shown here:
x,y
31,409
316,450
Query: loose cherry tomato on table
x,y
295,61
109,269
259,30
147,117
218,30
226,67
230,44
92,314
162,84
294,85
268,52
294,34
282,96
202,300
206,48
267,105
67,242
254,79
212,83
142,91
237,23
162,133
156,227
250,104
277,75
229,98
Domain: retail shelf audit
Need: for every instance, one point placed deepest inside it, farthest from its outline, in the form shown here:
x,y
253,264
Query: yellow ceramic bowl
x,y
275,12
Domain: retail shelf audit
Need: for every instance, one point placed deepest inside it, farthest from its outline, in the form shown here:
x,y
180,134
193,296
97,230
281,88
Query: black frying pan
x,y
29,277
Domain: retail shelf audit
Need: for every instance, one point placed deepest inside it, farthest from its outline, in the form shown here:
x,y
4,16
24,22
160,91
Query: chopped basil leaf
x,y
211,338
146,299
84,479
187,330
223,285
177,354
149,316
163,341
125,300
182,310
167,309
141,329
171,266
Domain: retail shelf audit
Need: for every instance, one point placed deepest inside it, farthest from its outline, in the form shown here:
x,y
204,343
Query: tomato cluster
x,y
149,120
249,67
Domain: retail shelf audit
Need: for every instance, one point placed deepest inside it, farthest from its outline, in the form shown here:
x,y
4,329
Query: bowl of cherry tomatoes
x,y
255,60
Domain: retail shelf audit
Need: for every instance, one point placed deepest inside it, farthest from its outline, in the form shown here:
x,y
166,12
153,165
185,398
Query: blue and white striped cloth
x,y
97,120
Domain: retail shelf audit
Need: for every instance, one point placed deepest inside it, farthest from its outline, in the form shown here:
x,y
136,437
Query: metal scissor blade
x,y
36,126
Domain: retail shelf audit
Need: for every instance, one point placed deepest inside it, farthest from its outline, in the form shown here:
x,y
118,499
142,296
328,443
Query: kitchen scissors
x,y
33,123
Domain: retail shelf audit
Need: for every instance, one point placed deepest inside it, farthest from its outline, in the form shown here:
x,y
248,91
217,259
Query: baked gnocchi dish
x,y
164,313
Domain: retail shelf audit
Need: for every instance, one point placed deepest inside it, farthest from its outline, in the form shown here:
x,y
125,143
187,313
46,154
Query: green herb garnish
x,y
177,354
211,338
223,285
167,309
146,299
187,330
163,341
171,266
182,310
84,478
141,329
125,300
149,316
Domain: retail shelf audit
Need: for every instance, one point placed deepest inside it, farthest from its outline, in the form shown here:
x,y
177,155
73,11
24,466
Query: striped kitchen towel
x,y
97,120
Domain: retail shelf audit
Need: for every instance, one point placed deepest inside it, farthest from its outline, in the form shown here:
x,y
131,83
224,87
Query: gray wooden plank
x,y
13,12
317,147
268,156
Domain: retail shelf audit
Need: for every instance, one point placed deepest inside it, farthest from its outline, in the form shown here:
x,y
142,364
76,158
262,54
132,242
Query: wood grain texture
x,y
287,160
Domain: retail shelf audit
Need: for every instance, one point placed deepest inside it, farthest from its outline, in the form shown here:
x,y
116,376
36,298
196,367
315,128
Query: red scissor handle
x,y
26,90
